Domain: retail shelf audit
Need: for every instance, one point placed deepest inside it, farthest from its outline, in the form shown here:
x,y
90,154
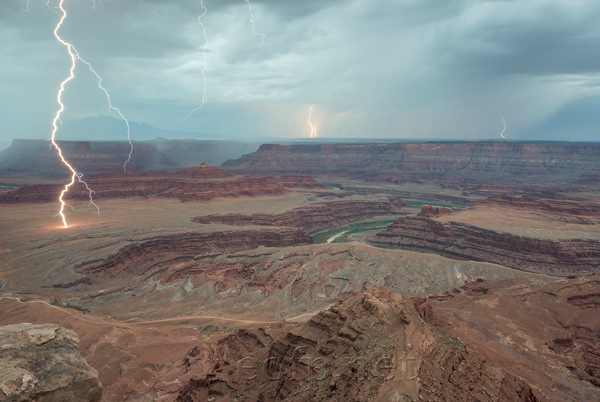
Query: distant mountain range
x,y
108,128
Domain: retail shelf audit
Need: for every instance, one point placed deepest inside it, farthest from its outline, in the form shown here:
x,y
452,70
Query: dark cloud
x,y
416,68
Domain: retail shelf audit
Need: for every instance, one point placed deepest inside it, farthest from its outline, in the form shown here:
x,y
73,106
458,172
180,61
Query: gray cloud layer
x,y
373,68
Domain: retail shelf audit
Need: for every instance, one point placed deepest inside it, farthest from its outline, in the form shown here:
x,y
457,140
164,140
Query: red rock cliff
x,y
463,241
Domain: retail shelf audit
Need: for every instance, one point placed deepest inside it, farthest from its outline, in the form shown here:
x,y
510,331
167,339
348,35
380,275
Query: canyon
x,y
209,282
315,217
462,241
377,345
199,183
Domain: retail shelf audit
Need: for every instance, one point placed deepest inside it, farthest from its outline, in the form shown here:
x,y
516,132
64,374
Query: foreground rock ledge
x,y
42,363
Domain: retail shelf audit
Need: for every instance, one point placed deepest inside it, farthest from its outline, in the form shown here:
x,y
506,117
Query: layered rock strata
x,y
466,242
315,217
372,346
423,158
42,363
162,252
566,211
430,211
200,183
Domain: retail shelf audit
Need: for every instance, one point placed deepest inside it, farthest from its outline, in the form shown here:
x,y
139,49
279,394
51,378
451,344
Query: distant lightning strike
x,y
74,56
263,36
313,128
502,133
203,71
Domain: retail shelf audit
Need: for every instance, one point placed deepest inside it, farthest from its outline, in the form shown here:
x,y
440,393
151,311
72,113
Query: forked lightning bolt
x,y
502,133
313,128
74,56
203,71
263,36
74,174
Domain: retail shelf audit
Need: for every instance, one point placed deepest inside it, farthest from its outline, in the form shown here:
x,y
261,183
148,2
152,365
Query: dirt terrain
x,y
184,274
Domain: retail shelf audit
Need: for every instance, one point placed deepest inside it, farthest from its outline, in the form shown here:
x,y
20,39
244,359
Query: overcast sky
x,y
372,68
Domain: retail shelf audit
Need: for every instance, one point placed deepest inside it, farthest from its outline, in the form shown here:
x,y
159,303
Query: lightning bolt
x,y
203,71
23,10
75,176
502,133
110,106
74,56
313,128
154,13
263,36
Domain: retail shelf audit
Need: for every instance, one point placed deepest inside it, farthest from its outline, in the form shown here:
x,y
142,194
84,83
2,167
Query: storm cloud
x,y
373,68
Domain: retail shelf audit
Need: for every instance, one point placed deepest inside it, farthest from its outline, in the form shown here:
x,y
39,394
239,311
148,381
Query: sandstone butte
x,y
462,241
42,363
199,183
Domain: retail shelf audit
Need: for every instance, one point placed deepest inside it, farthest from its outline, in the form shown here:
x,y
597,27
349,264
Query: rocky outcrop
x,y
548,333
423,158
466,242
199,183
566,211
430,211
162,252
315,217
42,363
372,346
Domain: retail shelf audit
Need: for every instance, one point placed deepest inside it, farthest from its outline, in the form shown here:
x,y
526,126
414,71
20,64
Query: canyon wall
x,y
199,183
163,251
422,158
462,241
315,217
